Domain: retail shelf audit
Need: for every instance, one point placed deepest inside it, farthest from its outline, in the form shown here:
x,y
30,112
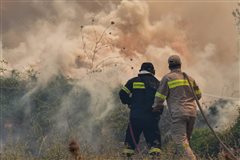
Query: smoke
x,y
101,45
226,115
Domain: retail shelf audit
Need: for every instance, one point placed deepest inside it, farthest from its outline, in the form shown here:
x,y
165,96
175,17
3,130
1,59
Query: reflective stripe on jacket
x,y
139,93
174,88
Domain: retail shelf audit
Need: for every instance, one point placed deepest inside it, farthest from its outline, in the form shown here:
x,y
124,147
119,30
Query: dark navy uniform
x,y
138,94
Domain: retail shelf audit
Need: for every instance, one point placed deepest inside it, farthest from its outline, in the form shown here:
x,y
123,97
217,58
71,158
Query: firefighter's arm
x,y
161,95
125,93
197,90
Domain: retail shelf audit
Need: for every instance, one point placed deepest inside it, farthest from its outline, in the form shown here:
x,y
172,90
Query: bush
x,y
204,143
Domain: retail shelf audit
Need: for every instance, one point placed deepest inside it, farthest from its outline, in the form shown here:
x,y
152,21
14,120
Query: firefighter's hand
x,y
158,108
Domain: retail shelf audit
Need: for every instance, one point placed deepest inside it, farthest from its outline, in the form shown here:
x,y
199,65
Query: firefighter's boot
x,y
154,153
128,153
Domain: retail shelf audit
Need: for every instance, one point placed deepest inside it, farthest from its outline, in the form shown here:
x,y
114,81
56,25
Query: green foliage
x,y
45,103
30,116
232,135
16,151
213,110
118,121
204,143
235,132
11,91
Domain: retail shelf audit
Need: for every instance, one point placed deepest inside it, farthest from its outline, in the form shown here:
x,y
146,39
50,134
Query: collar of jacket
x,y
176,70
144,72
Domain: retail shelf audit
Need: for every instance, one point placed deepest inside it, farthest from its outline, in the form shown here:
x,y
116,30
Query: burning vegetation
x,y
60,77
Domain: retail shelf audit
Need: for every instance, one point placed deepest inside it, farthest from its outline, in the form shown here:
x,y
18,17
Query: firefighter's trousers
x,y
150,129
181,129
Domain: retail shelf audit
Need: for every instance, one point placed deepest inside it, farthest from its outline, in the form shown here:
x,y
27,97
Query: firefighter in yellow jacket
x,y
175,89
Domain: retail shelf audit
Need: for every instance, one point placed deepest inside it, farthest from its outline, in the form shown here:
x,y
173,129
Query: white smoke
x,y
227,115
102,50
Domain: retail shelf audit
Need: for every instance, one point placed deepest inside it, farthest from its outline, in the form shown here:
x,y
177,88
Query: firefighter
x,y
138,94
175,89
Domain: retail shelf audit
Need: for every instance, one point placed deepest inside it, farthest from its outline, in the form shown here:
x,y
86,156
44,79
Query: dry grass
x,y
72,150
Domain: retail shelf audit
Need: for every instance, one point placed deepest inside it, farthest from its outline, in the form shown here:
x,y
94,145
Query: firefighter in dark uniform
x,y
138,94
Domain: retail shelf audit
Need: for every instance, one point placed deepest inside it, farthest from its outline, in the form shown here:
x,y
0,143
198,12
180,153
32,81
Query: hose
x,y
204,117
134,140
133,137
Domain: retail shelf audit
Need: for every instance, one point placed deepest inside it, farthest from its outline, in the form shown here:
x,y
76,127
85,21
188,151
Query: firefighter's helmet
x,y
147,66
